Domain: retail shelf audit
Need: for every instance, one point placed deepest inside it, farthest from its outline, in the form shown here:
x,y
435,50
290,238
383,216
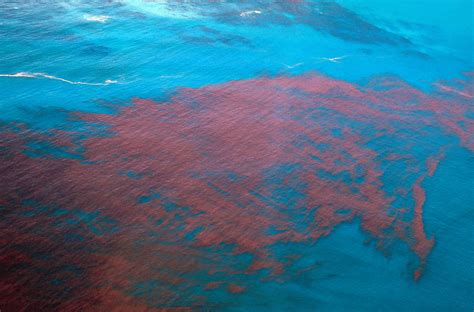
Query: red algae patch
x,y
185,195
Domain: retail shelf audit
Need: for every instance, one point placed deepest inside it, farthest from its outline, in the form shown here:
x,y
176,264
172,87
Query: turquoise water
x,y
150,49
62,56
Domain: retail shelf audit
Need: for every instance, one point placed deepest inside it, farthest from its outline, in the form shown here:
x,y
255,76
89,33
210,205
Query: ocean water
x,y
236,155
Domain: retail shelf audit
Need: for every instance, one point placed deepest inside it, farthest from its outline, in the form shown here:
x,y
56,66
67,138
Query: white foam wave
x,y
248,13
46,76
97,18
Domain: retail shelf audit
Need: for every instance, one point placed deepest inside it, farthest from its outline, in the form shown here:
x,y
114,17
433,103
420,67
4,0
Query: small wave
x,y
162,9
170,76
46,76
97,18
449,89
252,12
293,66
336,59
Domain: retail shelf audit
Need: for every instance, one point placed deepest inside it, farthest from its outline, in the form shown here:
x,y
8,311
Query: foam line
x,y
46,76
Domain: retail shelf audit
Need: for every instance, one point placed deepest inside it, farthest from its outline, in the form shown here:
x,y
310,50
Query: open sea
x,y
283,155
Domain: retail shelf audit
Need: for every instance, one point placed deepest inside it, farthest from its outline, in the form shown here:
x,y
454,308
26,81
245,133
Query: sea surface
x,y
236,155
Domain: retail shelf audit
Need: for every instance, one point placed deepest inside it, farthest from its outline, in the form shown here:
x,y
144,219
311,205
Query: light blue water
x,y
150,52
